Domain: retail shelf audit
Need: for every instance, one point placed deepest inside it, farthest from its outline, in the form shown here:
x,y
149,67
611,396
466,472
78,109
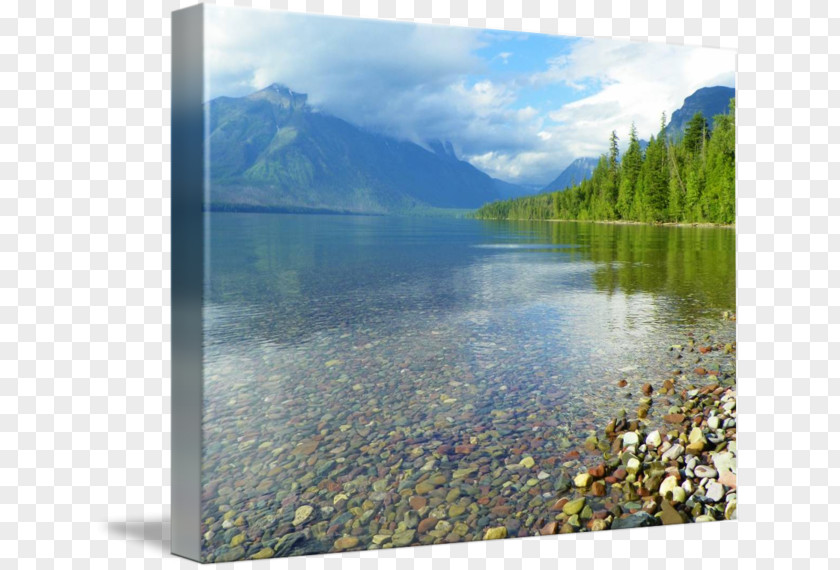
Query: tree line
x,y
689,180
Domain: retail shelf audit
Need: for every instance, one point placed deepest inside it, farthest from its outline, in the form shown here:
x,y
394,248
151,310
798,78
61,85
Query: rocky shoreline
x,y
681,471
519,470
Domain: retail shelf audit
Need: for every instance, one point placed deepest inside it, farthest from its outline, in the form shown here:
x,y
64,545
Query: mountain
x,y
710,101
270,151
579,170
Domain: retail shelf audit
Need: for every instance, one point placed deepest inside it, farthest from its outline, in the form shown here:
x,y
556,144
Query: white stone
x,y
630,438
653,439
724,461
705,471
715,491
633,465
674,452
696,435
669,484
714,422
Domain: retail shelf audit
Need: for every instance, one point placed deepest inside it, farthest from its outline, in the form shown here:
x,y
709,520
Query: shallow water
x,y
349,359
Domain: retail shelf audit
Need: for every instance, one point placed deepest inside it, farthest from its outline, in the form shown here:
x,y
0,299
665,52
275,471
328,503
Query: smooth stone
x,y
456,511
674,452
636,520
495,533
704,471
730,512
696,448
453,495
463,473
231,555
704,518
427,524
346,542
402,538
713,422
583,480
678,494
527,462
724,461
302,514
630,438
417,503
668,485
696,435
424,488
598,524
574,506
670,515
633,465
262,554
654,439
715,492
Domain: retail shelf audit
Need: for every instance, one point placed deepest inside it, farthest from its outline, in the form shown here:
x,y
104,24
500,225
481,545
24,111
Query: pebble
x,y
715,492
302,514
630,438
495,533
264,553
403,538
364,477
346,543
637,520
575,506
674,452
668,485
704,471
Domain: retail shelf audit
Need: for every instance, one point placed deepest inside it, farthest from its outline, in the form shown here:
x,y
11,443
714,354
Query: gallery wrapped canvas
x,y
435,284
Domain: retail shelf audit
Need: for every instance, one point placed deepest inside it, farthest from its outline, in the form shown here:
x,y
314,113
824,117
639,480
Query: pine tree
x,y
631,164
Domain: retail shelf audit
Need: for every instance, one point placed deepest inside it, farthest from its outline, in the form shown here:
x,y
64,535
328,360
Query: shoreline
x,y
680,472
617,222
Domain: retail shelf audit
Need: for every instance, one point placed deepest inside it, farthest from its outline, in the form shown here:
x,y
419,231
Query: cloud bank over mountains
x,y
519,106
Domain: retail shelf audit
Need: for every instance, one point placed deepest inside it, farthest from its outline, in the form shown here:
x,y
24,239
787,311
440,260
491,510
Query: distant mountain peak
x,y
279,94
709,101
271,151
578,170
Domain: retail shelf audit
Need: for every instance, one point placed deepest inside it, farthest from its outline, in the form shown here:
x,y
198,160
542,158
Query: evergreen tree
x,y
631,164
691,180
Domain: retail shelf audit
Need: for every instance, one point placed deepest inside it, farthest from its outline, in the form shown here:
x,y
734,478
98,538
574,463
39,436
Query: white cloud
x,y
421,82
637,83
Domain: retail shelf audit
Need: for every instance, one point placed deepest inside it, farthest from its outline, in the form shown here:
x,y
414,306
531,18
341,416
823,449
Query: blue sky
x,y
519,106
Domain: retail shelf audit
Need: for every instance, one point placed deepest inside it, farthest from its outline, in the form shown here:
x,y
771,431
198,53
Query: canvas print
x,y
459,285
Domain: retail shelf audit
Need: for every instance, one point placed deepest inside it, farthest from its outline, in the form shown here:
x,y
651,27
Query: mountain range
x,y
270,151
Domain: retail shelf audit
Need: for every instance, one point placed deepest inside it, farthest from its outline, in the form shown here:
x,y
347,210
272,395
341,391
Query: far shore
x,y
620,222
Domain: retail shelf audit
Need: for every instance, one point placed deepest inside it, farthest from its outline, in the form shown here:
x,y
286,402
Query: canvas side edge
x,y
187,273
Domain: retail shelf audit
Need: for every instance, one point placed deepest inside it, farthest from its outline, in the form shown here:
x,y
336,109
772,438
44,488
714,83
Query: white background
x,y
84,284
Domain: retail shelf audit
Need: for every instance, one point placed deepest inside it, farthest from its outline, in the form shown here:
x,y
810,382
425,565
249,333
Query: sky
x,y
518,106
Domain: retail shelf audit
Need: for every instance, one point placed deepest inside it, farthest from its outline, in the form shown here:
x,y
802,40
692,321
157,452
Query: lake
x,y
360,365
